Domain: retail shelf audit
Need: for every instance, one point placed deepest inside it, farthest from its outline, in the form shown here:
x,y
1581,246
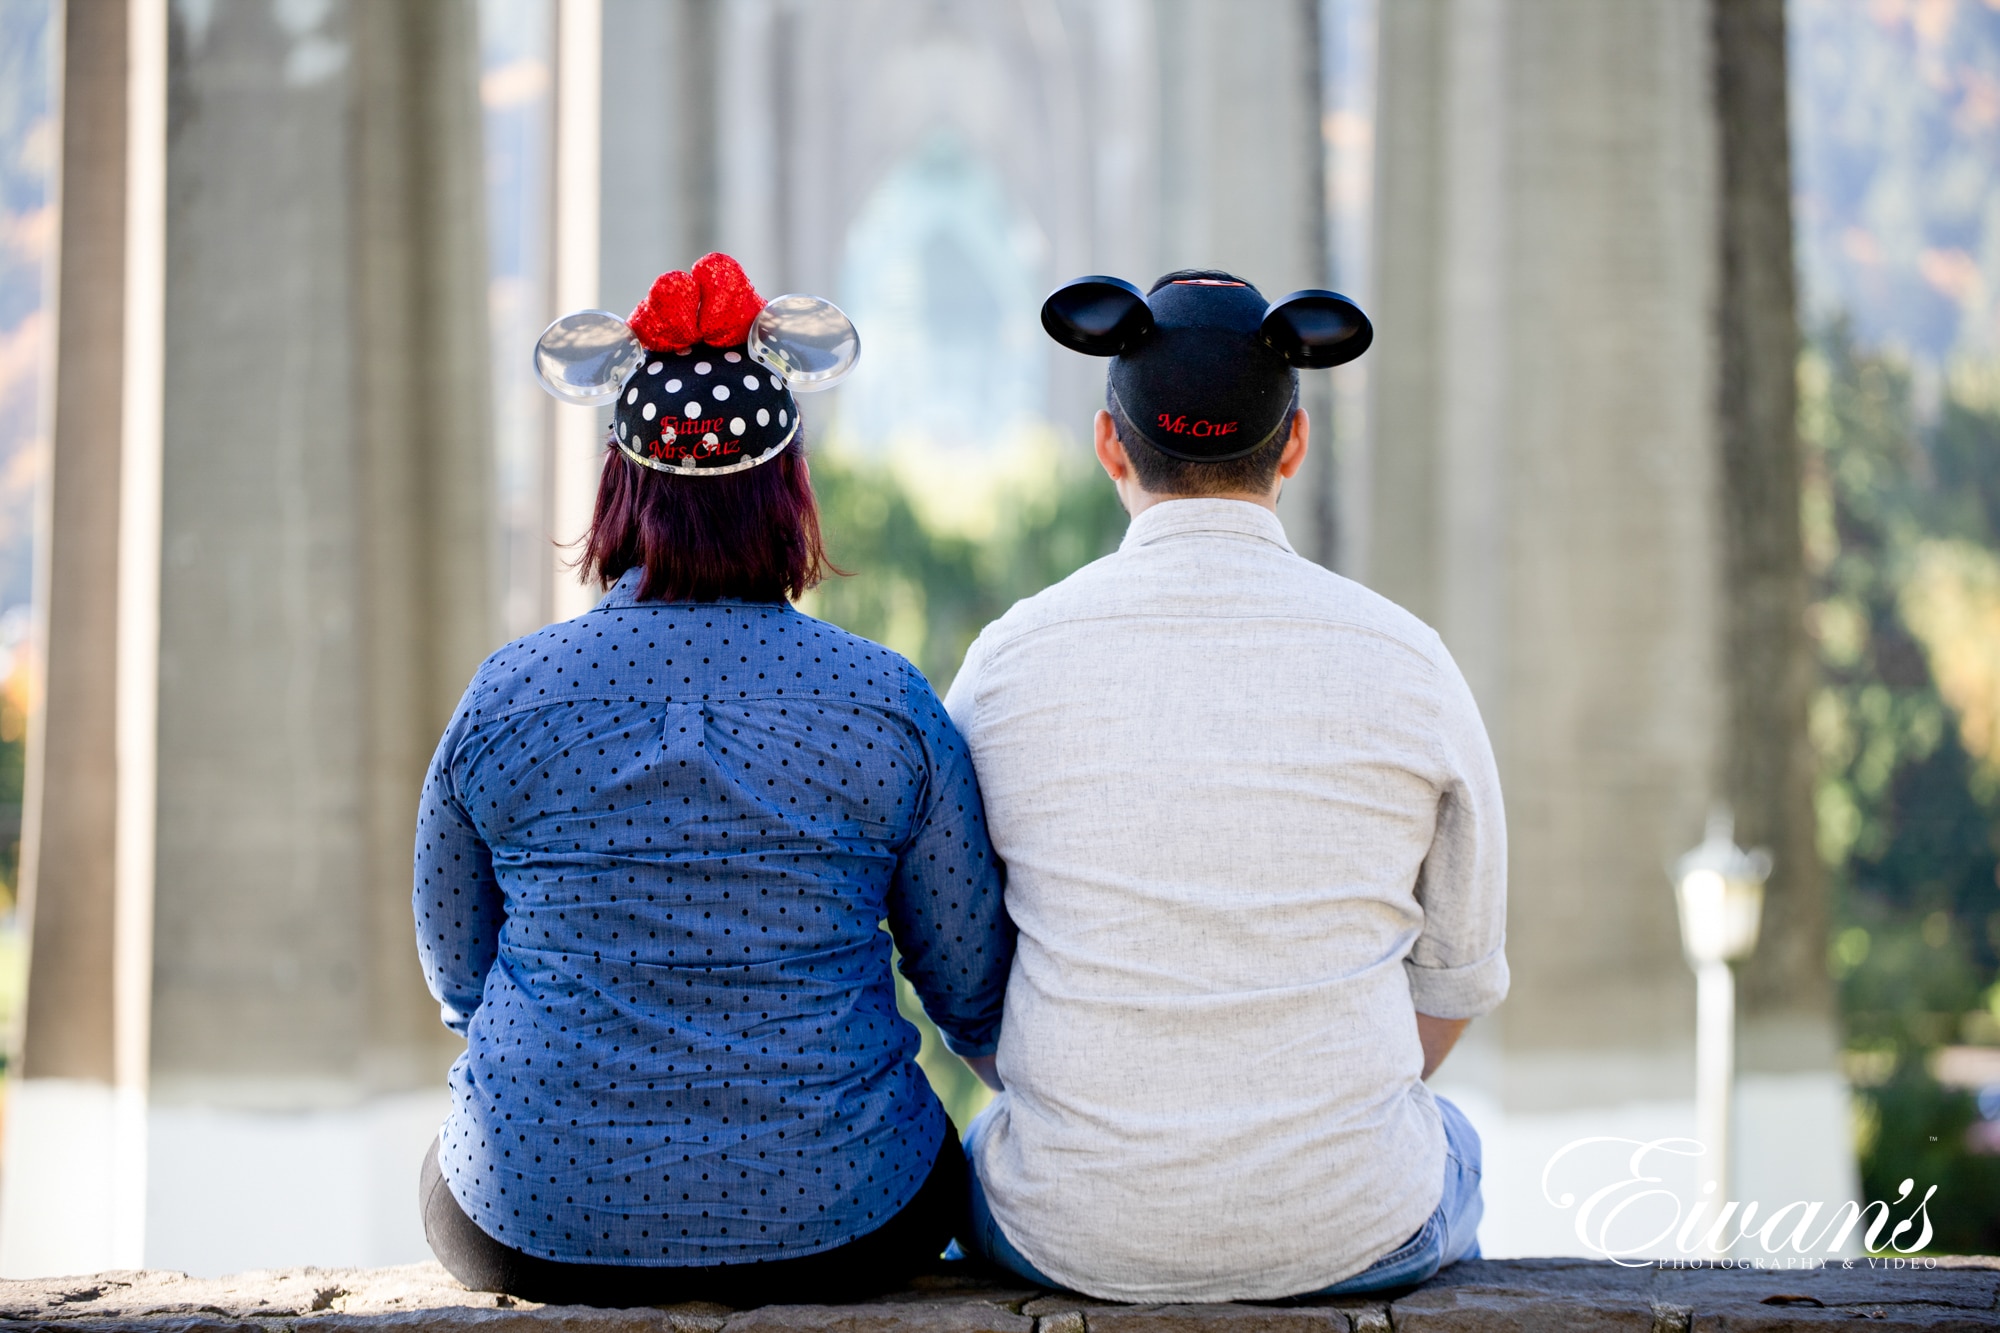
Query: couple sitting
x,y
1200,866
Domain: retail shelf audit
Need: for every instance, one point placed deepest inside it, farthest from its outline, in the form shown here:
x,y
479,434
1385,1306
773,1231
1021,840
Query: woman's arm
x,y
945,906
456,900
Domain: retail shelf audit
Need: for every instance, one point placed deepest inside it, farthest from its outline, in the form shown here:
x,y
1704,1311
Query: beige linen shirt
x,y
1252,827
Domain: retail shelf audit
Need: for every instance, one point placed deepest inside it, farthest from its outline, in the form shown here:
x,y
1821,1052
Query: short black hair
x,y
1197,275
1158,474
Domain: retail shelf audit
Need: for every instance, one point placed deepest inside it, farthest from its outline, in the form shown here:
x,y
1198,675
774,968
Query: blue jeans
x,y
1449,1234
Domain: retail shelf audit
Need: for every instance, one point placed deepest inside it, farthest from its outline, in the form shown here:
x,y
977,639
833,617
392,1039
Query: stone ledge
x,y
1497,1296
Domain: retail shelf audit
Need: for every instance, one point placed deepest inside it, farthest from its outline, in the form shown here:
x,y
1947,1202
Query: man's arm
x,y
1457,968
1438,1036
988,1069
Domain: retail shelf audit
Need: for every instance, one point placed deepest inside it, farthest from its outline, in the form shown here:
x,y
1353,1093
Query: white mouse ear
x,y
806,340
584,357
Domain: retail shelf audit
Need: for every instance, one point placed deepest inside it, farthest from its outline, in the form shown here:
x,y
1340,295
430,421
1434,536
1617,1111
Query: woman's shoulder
x,y
509,672
539,665
841,647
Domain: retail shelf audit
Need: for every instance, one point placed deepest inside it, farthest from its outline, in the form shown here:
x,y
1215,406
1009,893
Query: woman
x,y
654,849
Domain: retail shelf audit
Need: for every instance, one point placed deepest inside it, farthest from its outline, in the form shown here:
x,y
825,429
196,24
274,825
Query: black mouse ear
x,y
1315,329
1097,316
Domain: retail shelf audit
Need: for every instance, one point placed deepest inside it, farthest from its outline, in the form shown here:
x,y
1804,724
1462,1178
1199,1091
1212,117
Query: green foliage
x,y
1908,823
1928,1146
1965,453
1904,822
927,593
13,782
13,950
13,767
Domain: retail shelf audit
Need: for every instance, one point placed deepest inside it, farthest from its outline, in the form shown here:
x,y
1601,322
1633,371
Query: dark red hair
x,y
752,535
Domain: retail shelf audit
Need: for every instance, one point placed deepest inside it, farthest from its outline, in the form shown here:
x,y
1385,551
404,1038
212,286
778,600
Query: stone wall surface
x,y
1502,1296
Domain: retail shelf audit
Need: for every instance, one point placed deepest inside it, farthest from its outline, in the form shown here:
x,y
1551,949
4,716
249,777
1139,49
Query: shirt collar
x,y
1231,518
625,593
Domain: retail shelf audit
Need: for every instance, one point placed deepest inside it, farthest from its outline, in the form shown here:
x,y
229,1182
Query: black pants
x,y
882,1259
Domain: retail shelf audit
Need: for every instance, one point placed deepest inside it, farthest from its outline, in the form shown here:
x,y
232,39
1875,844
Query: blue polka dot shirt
x,y
654,851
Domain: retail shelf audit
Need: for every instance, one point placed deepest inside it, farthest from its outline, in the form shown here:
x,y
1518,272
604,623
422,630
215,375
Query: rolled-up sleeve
x,y
456,900
946,907
1458,966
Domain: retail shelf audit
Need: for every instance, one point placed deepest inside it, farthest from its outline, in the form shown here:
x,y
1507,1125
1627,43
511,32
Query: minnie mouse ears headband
x,y
1104,316
1201,366
704,371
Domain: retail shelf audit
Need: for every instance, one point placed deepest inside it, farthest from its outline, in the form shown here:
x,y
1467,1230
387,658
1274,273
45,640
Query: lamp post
x,y
1720,890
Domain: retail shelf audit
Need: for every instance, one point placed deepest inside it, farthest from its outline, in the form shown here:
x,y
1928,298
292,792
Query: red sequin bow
x,y
715,304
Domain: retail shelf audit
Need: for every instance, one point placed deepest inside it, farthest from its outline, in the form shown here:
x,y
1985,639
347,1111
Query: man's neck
x,y
1138,500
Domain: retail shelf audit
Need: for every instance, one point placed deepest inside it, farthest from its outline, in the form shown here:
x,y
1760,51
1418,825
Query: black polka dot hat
x,y
703,410
702,375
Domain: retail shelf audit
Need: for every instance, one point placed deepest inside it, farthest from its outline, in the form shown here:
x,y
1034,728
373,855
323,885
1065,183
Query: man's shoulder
x,y
1122,585
1087,592
1342,601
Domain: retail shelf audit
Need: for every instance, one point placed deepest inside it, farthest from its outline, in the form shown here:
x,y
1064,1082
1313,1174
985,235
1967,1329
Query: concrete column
x,y
659,152
1543,478
67,860
427,506
1788,1038
639,191
75,1126
1553,492
1242,183
328,516
322,578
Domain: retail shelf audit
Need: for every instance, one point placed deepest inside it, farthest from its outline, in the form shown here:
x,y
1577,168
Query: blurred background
x,y
1682,426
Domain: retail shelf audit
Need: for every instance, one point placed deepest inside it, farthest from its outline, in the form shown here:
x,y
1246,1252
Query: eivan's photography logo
x,y
1639,1217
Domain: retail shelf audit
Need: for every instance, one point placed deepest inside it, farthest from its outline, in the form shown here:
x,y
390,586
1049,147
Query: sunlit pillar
x,y
72,1196
328,518
578,441
267,582
1791,1087
1583,472
1543,479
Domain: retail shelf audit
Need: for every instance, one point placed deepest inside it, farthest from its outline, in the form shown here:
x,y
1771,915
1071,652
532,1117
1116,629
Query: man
x,y
1255,851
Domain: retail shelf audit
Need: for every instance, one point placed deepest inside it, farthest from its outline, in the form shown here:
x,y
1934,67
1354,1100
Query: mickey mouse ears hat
x,y
703,372
1201,365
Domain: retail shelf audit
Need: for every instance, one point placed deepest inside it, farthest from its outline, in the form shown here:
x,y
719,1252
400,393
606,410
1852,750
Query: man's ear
x,y
1300,440
1117,465
1111,455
